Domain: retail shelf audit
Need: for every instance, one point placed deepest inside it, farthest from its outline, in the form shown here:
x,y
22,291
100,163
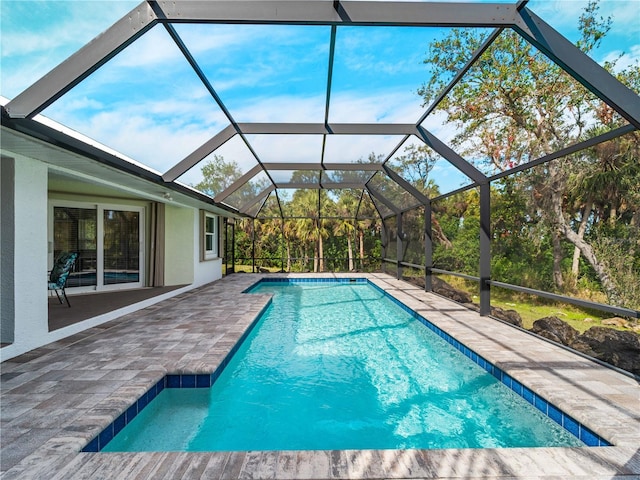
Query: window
x,y
210,236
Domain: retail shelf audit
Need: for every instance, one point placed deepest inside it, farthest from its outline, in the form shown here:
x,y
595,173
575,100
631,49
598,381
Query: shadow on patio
x,y
89,305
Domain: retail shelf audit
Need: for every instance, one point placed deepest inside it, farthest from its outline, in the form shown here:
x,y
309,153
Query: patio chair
x,y
59,274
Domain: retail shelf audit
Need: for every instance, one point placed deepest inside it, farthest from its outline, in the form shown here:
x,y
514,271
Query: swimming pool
x,y
368,374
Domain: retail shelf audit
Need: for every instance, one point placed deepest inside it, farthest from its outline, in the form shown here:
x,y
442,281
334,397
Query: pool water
x,y
335,366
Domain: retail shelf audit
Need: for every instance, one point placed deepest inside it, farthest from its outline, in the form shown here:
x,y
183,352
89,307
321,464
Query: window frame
x,y
213,253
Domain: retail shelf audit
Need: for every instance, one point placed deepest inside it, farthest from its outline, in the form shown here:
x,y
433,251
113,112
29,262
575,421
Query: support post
x,y
485,248
233,246
253,245
399,246
428,248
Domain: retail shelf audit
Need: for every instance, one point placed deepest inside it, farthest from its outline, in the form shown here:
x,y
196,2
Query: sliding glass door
x,y
76,230
121,247
109,242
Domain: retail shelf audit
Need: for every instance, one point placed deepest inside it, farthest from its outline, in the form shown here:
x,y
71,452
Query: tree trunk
x,y
582,228
288,257
361,237
320,253
350,252
315,257
587,251
303,258
557,260
613,215
438,234
552,204
601,269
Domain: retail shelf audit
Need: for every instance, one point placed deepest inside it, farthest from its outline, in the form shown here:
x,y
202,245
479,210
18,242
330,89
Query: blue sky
x,y
148,104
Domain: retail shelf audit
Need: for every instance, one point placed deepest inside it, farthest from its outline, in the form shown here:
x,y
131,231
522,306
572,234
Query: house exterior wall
x,y
179,251
183,237
29,245
23,292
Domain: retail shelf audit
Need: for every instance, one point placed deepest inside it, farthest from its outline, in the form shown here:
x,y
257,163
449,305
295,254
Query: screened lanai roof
x,y
316,95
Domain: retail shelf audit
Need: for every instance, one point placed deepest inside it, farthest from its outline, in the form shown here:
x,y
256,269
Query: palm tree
x,y
307,228
345,207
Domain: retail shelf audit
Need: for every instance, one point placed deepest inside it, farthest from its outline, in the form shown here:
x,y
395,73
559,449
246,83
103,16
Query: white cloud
x,y
154,133
284,108
379,107
154,48
159,146
623,59
37,35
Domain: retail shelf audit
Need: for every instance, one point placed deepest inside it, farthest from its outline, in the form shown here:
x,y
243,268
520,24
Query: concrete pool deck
x,y
56,399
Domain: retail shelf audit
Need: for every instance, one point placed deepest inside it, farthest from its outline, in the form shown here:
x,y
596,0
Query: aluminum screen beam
x,y
81,64
319,12
406,186
261,197
355,167
328,129
324,185
484,266
199,154
605,137
238,183
452,157
342,185
579,65
284,129
327,105
378,196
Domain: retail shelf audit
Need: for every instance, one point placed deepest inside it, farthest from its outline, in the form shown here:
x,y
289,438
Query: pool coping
x,y
602,399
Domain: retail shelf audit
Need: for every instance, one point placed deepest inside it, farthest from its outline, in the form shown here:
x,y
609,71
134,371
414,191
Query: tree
x,y
513,106
217,175
345,208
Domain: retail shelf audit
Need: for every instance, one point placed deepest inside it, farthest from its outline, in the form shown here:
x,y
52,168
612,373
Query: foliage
x,y
218,174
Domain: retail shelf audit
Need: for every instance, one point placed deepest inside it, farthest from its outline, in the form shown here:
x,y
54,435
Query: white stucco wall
x,y
30,257
182,249
178,245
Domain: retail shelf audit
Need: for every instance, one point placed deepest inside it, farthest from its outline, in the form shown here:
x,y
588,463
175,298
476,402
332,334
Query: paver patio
x,y
56,399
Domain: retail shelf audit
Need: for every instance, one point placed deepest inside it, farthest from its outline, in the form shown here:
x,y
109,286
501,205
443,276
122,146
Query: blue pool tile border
x,y
190,380
292,281
173,380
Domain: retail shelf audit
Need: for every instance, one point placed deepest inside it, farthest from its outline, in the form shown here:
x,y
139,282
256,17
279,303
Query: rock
x,y
615,322
509,316
618,348
443,288
555,329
